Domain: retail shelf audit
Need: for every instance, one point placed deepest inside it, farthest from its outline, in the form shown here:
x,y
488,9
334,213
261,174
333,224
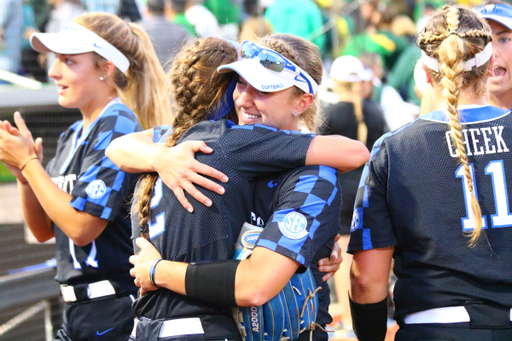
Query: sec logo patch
x,y
294,226
96,189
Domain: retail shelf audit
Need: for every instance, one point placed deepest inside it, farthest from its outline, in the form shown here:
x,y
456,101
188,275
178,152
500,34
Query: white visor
x,y
263,79
76,39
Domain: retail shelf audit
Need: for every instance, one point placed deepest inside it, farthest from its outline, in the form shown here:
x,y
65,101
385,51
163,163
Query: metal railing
x,y
37,289
43,306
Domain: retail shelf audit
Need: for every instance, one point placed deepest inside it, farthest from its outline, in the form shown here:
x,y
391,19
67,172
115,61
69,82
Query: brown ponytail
x,y
195,87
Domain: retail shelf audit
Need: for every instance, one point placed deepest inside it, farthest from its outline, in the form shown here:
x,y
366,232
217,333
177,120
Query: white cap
x,y
263,79
501,13
349,69
75,39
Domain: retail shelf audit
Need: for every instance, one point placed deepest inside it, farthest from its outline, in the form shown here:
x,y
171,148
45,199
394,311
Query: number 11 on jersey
x,y
503,217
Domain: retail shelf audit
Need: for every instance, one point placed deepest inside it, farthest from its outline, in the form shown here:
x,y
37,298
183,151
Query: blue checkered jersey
x,y
413,196
210,233
97,187
302,218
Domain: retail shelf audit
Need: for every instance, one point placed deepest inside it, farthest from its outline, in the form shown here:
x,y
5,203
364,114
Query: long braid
x,y
195,87
451,43
452,68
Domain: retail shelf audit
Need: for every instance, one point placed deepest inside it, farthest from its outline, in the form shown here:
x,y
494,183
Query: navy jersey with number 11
x,y
413,195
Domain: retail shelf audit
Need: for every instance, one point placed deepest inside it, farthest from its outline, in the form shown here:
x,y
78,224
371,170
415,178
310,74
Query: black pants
x,y
450,332
99,319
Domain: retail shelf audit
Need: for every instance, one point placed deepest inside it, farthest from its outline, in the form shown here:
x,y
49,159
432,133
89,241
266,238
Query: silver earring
x,y
102,78
296,114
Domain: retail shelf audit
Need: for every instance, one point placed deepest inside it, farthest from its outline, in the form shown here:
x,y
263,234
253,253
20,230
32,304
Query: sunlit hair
x,y
354,88
453,35
142,88
195,87
305,54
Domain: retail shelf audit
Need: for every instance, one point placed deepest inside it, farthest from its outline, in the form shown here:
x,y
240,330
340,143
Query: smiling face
x,y
500,85
79,82
274,109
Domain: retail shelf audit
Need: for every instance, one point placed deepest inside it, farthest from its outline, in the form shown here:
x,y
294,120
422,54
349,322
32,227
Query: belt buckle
x,y
68,293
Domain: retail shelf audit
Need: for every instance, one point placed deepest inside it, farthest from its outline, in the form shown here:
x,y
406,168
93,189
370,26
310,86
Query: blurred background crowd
x,y
379,33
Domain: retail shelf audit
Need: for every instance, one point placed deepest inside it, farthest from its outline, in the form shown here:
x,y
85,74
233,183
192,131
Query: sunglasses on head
x,y
275,62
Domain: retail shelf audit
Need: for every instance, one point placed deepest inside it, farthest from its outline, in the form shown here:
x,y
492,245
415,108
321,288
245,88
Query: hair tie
x,y
480,59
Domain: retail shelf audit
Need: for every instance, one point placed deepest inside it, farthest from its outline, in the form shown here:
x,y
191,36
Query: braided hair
x,y
452,36
195,87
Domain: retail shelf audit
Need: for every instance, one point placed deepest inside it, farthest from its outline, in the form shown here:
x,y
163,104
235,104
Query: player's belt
x,y
176,327
202,327
442,315
90,291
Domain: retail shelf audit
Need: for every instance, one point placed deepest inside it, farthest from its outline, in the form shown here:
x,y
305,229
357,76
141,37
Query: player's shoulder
x,y
264,129
119,118
161,132
72,129
318,171
310,179
469,114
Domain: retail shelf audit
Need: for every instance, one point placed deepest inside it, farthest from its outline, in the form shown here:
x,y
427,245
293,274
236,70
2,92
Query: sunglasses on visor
x,y
275,62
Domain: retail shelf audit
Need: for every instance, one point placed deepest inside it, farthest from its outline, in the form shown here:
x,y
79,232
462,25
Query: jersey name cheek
x,y
485,140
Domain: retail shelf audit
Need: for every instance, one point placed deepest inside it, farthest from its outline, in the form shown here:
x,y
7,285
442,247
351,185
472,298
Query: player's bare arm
x,y
20,152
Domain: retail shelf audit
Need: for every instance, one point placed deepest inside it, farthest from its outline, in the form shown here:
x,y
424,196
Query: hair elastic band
x,y
26,163
480,59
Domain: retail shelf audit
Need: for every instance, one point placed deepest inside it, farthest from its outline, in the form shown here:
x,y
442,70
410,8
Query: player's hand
x,y
17,146
142,262
179,170
331,264
38,145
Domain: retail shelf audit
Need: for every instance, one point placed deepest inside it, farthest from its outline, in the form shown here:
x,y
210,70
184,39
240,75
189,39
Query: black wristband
x,y
152,271
212,282
369,320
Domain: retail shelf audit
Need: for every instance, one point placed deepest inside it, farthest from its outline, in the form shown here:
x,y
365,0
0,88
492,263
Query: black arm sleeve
x,y
212,282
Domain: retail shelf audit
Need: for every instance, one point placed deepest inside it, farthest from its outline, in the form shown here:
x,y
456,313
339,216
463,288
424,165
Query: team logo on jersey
x,y
357,219
96,189
294,226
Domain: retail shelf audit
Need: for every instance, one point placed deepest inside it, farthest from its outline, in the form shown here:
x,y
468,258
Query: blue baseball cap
x,y
501,13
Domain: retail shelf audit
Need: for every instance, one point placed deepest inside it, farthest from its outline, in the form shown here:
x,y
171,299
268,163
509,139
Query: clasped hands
x,y
17,146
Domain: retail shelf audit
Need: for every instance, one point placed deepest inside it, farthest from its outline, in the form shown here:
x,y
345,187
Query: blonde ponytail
x,y
452,42
142,88
362,129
